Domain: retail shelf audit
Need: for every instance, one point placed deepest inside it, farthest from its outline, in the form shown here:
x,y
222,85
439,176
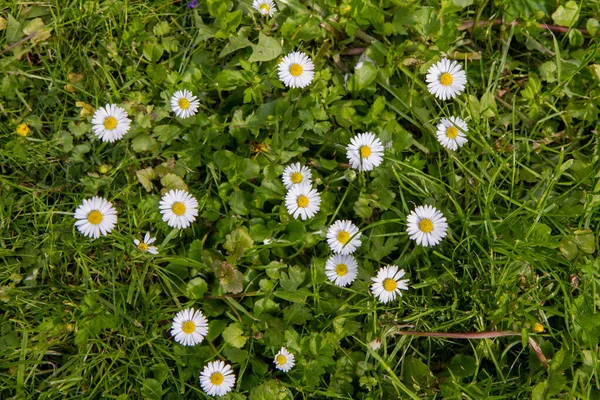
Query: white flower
x,y
296,174
95,216
145,244
302,200
265,7
189,327
217,378
284,360
184,104
179,208
343,237
451,132
446,80
387,284
110,123
341,269
296,70
365,151
426,225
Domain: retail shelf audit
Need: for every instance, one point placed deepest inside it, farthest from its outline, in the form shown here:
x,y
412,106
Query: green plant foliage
x,y
82,318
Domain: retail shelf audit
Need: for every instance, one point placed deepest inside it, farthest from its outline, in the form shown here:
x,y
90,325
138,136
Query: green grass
x,y
84,318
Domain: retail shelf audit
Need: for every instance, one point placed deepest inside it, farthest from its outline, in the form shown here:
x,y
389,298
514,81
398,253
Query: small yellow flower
x,y
23,129
538,328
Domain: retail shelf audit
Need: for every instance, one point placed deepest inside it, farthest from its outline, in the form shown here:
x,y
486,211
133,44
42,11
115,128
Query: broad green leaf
x,y
196,288
293,278
171,181
463,366
143,143
237,242
267,49
145,176
236,43
566,15
151,389
234,335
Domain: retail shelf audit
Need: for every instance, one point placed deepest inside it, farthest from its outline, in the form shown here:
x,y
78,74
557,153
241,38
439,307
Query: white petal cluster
x,y
426,225
95,217
446,79
296,70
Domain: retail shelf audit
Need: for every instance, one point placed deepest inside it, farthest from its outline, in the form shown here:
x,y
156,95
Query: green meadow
x,y
505,306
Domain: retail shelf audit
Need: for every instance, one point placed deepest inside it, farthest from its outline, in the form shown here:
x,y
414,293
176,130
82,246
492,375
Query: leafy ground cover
x,y
83,318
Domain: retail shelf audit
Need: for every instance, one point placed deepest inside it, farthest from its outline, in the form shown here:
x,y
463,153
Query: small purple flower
x,y
193,4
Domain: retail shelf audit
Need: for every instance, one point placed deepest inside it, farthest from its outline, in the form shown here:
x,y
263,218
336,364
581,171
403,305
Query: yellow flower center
x,y
343,237
296,69
341,269
217,378
538,328
451,132
95,217
281,359
188,327
178,208
184,104
22,129
426,225
446,79
143,246
389,285
265,7
302,201
365,151
110,123
296,177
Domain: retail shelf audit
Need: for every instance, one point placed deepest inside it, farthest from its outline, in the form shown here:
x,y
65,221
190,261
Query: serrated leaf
x,y
143,143
231,278
566,15
171,181
293,278
237,242
267,49
234,335
145,176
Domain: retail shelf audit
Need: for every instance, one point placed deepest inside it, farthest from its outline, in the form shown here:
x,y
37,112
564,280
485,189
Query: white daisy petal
x,y
265,7
426,225
144,245
184,104
296,70
217,378
341,269
284,360
343,237
446,80
451,132
110,123
302,201
296,174
189,327
387,285
95,217
365,151
178,208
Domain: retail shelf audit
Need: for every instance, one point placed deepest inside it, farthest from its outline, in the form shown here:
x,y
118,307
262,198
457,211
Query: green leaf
x,y
364,76
462,3
236,43
145,176
171,181
152,51
143,143
267,49
231,279
237,242
234,335
196,288
567,15
293,278
592,25
151,389
463,366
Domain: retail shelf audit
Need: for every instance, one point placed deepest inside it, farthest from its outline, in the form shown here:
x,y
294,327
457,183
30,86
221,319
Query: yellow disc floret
x,y
188,327
389,285
184,104
217,378
451,132
296,69
341,269
365,151
296,177
446,79
95,217
426,225
343,237
178,208
302,201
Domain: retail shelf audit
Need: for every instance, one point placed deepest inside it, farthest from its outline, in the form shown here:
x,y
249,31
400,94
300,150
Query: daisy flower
x,y
296,70
451,132
387,284
184,104
179,208
144,245
110,123
302,200
217,378
365,151
284,360
343,237
296,174
265,7
95,217
341,269
446,80
426,225
189,327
